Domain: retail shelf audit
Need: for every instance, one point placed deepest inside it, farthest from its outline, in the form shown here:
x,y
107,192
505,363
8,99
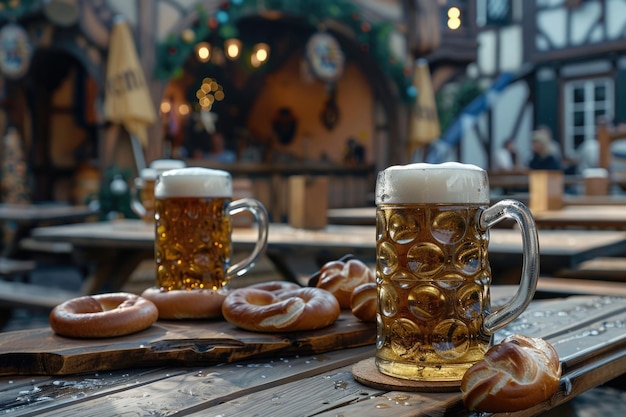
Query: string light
x,y
166,107
454,18
209,92
183,109
203,51
232,47
260,54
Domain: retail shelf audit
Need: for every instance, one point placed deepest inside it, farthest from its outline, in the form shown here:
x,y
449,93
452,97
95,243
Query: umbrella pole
x,y
140,160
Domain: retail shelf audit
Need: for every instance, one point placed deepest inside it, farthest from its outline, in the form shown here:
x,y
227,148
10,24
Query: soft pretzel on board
x,y
516,374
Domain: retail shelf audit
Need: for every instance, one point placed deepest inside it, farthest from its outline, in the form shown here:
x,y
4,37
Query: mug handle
x,y
262,220
530,263
135,202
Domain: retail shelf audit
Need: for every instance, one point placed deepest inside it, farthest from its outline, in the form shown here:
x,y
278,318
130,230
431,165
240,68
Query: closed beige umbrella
x,y
424,127
127,99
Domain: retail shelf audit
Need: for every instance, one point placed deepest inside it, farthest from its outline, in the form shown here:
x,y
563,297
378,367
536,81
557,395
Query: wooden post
x,y
546,190
596,181
604,142
308,201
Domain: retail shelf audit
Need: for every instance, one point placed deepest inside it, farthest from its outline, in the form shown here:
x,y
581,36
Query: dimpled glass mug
x,y
432,231
193,210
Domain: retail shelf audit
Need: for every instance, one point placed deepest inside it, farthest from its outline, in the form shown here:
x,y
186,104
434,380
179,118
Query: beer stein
x,y
142,193
434,316
193,225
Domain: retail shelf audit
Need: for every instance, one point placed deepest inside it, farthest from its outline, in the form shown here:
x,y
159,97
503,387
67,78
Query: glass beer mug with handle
x,y
193,226
142,192
434,316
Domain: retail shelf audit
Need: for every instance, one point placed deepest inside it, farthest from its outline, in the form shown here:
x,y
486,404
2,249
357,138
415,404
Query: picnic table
x,y
27,216
214,369
117,247
611,217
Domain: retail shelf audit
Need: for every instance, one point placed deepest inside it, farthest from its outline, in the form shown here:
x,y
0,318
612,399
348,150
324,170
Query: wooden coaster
x,y
368,374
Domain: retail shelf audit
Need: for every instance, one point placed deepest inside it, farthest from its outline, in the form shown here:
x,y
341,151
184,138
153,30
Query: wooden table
x,y
583,216
291,380
602,212
352,216
27,216
119,246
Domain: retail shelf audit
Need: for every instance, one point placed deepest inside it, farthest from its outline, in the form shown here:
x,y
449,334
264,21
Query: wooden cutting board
x,y
41,352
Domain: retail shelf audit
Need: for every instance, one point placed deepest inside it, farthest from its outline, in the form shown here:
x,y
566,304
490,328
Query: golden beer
x,y
192,245
193,226
434,316
433,280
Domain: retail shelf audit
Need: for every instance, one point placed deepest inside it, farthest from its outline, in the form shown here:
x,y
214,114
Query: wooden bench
x,y
24,295
601,268
14,294
559,286
11,268
56,248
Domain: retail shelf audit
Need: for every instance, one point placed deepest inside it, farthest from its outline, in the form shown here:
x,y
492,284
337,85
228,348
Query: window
x,y
584,102
493,12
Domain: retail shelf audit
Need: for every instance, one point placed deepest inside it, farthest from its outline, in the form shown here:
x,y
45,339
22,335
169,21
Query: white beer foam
x,y
148,174
194,182
449,182
162,165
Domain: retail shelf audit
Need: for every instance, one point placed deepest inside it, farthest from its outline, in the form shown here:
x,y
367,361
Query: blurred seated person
x,y
505,158
545,154
218,152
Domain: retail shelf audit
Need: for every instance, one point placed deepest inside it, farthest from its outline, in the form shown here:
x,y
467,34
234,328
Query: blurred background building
x,y
272,88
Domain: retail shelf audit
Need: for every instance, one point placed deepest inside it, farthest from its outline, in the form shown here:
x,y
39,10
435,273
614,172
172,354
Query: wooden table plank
x,y
35,395
588,333
586,217
175,390
116,244
27,216
40,351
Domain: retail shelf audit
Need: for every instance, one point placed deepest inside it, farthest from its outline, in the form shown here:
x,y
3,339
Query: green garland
x,y
15,9
372,38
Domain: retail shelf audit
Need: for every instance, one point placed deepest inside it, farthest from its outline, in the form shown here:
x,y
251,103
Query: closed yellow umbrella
x,y
127,100
424,127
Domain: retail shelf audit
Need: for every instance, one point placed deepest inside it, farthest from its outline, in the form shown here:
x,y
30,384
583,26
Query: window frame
x,y
590,107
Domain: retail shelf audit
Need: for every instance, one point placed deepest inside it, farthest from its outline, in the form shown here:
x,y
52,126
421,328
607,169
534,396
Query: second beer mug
x,y
193,210
434,315
142,193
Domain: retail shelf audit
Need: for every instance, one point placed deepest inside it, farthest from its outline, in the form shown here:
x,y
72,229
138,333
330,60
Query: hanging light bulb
x,y
260,54
232,47
203,51
165,107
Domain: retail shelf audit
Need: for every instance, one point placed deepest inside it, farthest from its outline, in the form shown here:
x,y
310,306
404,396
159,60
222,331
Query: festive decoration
x,y
209,92
14,183
11,10
372,38
330,111
15,51
14,179
114,196
285,125
325,57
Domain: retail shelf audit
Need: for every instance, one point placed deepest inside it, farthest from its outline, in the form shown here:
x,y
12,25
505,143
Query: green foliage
x,y
372,38
12,10
454,98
